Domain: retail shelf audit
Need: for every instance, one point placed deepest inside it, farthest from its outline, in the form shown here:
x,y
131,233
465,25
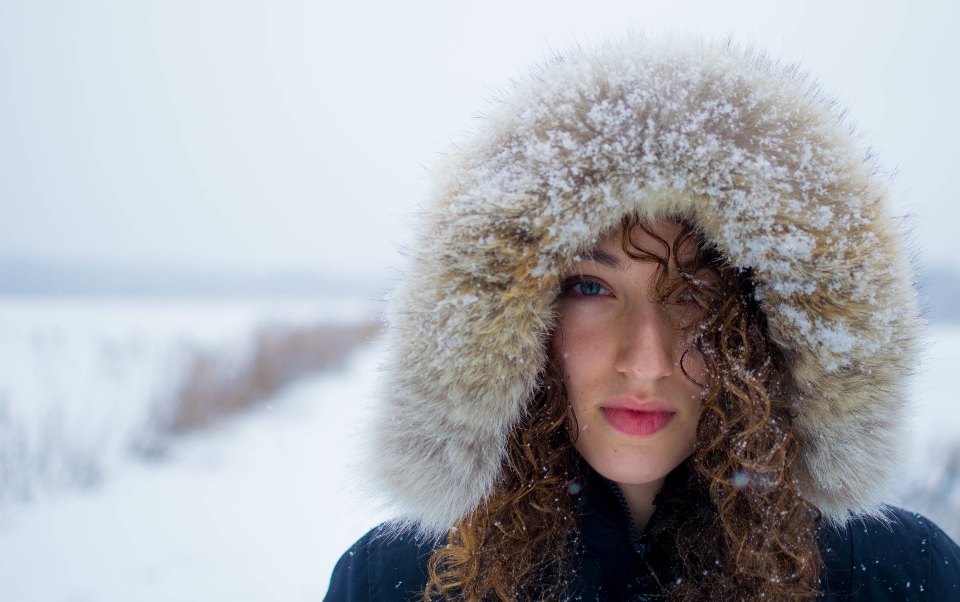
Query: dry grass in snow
x,y
214,386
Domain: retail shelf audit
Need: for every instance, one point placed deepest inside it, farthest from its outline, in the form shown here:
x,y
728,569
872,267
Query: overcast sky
x,y
296,135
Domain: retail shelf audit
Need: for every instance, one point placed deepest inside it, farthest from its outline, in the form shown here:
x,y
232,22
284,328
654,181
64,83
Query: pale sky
x,y
297,135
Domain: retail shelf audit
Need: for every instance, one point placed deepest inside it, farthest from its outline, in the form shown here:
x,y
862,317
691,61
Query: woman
x,y
651,345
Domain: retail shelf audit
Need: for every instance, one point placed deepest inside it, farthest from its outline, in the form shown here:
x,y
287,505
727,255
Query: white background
x,y
233,134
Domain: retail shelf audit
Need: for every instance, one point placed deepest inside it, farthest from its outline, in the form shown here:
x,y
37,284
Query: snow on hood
x,y
748,150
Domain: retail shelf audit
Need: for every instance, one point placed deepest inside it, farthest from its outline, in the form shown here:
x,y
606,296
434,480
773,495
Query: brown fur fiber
x,y
749,151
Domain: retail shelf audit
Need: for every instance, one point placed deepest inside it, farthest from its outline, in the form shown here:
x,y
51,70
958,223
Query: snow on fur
x,y
746,149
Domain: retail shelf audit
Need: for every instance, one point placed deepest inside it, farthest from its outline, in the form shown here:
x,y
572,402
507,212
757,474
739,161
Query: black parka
x,y
907,559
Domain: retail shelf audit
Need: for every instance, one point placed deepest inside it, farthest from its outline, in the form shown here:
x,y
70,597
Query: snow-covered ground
x,y
254,508
936,390
930,481
260,506
84,380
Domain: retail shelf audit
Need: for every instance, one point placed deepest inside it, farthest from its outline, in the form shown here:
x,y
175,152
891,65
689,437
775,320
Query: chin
x,y
631,468
629,475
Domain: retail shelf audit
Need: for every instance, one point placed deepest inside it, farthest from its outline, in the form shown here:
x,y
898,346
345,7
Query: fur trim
x,y
748,150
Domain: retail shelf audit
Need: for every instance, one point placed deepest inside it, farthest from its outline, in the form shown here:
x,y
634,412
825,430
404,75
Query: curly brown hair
x,y
745,533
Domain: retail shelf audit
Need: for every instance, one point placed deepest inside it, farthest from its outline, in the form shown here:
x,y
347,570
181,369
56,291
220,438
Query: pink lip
x,y
637,418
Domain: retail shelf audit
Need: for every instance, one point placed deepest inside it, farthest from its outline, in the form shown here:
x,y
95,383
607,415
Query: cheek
x,y
691,386
581,355
577,357
693,367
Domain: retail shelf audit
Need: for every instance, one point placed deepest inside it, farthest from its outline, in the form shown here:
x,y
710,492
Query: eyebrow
x,y
605,259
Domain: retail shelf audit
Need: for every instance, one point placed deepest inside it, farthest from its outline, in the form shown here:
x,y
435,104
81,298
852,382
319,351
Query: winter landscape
x,y
203,206
103,490
105,498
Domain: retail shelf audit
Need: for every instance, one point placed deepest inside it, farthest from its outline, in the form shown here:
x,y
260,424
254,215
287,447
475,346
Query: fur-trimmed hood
x,y
751,153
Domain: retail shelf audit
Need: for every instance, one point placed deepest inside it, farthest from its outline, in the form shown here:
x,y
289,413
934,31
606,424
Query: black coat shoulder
x,y
385,565
904,558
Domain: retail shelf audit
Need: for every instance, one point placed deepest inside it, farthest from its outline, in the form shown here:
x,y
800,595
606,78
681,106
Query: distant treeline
x,y
939,287
34,277
940,294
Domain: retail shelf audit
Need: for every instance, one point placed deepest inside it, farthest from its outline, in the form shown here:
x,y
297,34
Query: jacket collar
x,y
615,559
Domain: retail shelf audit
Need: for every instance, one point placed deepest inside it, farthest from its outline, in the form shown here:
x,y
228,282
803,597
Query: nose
x,y
647,344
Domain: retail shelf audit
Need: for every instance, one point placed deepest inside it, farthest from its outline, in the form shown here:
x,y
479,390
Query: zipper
x,y
640,548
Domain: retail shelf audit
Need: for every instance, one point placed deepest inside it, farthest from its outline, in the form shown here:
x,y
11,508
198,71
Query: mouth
x,y
638,419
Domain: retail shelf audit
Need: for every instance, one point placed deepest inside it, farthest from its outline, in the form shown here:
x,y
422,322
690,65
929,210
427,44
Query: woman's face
x,y
620,350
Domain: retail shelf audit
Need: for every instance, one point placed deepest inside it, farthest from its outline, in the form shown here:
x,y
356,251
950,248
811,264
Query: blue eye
x,y
588,288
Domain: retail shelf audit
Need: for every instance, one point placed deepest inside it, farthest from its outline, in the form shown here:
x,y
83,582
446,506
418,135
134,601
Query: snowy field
x,y
257,507
249,509
84,382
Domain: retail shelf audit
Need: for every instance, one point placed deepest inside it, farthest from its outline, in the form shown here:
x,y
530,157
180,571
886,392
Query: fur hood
x,y
746,149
